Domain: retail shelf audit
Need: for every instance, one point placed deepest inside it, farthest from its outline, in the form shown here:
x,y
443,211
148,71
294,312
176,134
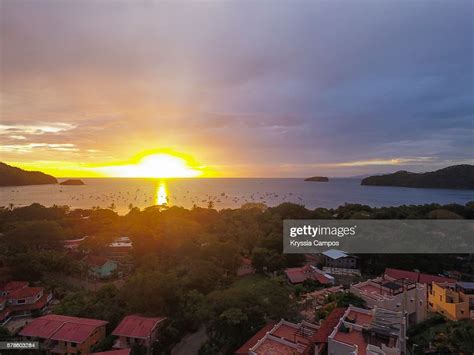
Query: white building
x,y
372,332
395,295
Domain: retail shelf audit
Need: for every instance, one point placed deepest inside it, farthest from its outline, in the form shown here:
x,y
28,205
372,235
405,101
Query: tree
x,y
266,260
5,334
345,299
32,235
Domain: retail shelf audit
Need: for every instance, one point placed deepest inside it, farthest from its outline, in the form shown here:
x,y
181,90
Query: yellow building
x,y
453,300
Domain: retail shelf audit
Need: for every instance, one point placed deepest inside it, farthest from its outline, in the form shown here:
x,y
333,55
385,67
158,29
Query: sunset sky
x,y
265,89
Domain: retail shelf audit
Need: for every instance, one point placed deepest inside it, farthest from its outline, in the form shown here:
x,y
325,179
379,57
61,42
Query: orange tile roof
x,y
25,292
353,338
244,349
327,327
272,347
360,318
290,333
415,276
135,326
13,286
300,274
74,332
61,328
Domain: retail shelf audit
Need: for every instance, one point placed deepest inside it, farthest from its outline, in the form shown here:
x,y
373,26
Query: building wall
x,y
415,301
128,342
338,348
69,348
27,300
95,338
85,348
447,302
105,270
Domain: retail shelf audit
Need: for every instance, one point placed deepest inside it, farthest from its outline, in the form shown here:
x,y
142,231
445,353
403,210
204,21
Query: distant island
x,y
12,176
73,182
317,178
452,177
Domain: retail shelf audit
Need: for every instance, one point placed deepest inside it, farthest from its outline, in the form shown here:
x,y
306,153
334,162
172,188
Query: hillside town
x,y
122,289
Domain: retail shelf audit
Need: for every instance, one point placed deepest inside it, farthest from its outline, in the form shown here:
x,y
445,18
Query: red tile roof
x,y
327,327
353,338
415,276
300,274
74,332
42,327
244,349
39,304
95,260
62,328
25,292
13,286
135,326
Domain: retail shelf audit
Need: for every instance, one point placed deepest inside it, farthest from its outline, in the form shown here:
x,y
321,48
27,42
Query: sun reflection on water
x,y
162,194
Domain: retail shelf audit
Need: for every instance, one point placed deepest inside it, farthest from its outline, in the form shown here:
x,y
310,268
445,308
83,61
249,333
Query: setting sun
x,y
161,165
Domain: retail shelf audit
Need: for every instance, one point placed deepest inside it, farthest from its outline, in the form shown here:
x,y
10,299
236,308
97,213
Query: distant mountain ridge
x,y
452,177
12,176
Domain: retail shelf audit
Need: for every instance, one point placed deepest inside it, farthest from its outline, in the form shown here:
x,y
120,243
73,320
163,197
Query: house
x,y
414,276
320,338
280,338
65,335
100,267
453,300
396,295
119,249
4,310
361,331
17,299
245,268
297,275
72,244
137,330
338,259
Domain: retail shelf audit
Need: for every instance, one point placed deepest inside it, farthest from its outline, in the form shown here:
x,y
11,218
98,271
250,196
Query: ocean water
x,y
224,193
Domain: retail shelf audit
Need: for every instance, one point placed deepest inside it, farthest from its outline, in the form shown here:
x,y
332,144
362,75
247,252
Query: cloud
x,y
35,128
255,83
27,148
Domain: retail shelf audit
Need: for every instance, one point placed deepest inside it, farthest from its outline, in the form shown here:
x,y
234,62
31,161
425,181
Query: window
x,y
73,345
20,301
